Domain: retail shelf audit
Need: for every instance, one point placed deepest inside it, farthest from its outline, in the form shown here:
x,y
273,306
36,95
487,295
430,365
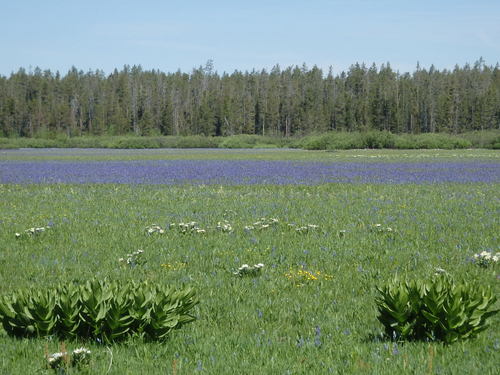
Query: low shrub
x,y
483,138
374,139
334,140
103,310
37,143
137,142
196,141
431,141
435,310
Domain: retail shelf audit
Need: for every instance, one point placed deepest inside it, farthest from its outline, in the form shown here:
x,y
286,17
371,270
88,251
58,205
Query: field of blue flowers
x,y
284,248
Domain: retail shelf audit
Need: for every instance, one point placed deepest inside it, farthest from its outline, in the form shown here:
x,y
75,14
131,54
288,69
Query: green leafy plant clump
x,y
436,310
104,310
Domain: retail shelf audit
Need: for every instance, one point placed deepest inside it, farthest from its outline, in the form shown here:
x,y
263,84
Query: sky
x,y
246,35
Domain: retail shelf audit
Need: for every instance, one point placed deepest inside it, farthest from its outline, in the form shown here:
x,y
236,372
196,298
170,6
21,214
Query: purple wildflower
x,y
245,172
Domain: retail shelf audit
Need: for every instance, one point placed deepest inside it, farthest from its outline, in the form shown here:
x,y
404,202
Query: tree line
x,y
280,102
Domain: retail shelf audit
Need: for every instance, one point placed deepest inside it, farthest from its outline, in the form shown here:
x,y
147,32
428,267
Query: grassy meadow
x,y
312,308
365,155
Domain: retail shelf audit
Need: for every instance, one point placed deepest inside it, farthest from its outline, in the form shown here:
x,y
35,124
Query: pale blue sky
x,y
171,35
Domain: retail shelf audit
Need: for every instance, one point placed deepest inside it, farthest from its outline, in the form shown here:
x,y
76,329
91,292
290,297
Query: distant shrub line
x,y
383,139
328,141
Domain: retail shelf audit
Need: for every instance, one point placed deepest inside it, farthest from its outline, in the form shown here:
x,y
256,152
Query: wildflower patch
x,y
77,358
246,270
31,232
134,259
302,276
486,259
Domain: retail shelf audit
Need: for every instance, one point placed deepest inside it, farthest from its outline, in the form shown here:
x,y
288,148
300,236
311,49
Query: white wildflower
x,y
58,355
224,226
246,270
55,359
485,258
81,350
155,228
80,356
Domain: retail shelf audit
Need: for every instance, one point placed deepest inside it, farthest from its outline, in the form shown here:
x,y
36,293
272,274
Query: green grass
x,y
267,324
364,155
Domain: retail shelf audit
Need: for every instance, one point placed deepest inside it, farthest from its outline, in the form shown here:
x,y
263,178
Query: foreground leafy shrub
x,y
104,310
439,309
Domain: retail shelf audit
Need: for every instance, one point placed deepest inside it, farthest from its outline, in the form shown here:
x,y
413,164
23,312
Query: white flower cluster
x,y
224,226
246,270
32,231
380,229
263,223
154,229
191,227
304,229
486,258
133,259
78,356
56,359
